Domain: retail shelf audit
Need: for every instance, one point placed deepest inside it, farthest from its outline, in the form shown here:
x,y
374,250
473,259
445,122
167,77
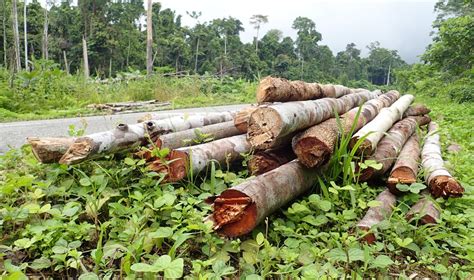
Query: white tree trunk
x,y
125,137
267,124
25,33
149,38
85,57
45,43
437,177
66,64
4,29
16,35
374,130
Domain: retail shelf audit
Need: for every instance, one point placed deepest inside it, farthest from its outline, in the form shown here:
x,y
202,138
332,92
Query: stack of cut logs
x,y
290,137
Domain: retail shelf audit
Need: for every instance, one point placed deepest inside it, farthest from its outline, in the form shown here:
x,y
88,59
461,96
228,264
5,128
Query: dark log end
x,y
367,174
260,163
423,120
401,175
312,152
368,237
365,148
234,214
445,186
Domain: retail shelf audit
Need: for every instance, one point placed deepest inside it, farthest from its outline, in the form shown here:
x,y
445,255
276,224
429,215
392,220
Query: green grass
x,y
50,93
114,217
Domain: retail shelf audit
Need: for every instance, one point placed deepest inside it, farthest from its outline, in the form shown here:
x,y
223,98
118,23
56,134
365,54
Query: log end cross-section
x,y
50,149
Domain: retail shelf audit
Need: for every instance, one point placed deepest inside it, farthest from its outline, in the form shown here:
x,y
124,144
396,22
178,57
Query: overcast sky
x,y
403,25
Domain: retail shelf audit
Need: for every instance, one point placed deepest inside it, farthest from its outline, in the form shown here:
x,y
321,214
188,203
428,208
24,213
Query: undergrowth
x,y
113,218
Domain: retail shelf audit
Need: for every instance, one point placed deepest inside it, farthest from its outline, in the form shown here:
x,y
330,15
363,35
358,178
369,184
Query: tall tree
x,y
25,31
307,40
44,42
195,15
149,38
85,57
4,29
257,21
16,36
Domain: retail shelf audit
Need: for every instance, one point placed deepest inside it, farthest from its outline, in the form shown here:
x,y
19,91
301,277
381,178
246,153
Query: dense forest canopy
x,y
115,32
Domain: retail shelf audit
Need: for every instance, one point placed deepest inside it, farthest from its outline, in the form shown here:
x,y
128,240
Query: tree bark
x,y
263,161
405,169
315,145
417,110
149,38
85,57
125,137
66,64
192,160
267,124
25,33
16,35
281,90
191,136
239,209
388,148
4,29
197,54
50,149
377,214
437,177
44,45
241,119
425,209
374,130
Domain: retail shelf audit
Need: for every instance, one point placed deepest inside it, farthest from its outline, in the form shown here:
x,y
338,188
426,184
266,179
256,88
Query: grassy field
x,y
112,217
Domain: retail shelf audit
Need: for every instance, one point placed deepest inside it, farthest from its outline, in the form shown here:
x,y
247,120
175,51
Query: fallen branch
x,y
267,124
388,148
416,110
240,209
374,130
125,137
50,149
315,145
425,209
405,169
437,177
377,214
263,161
192,160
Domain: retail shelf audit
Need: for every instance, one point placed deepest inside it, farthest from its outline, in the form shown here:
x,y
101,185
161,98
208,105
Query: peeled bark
x,y
263,161
390,146
189,137
416,110
374,130
377,214
241,119
267,124
50,149
437,177
426,210
125,137
192,160
405,169
315,146
240,209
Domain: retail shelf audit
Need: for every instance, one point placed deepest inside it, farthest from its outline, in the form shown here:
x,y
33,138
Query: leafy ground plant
x,y
113,218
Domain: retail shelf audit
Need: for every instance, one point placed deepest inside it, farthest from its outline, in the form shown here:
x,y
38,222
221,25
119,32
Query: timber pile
x,y
288,141
132,106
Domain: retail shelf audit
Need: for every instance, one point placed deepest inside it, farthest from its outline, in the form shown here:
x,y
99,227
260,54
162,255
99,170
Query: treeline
x,y
114,35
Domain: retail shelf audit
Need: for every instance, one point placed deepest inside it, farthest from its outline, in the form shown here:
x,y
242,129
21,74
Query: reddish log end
x,y
402,175
445,186
264,161
368,237
312,152
175,166
426,210
234,213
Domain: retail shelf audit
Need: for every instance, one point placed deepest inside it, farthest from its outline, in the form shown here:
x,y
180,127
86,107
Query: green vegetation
x,y
112,216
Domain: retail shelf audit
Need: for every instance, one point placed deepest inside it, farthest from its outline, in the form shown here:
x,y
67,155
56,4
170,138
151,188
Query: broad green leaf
x,y
174,269
166,199
439,268
85,182
129,161
143,267
356,254
381,261
403,187
337,254
315,221
89,276
374,203
40,263
260,238
417,187
162,232
23,243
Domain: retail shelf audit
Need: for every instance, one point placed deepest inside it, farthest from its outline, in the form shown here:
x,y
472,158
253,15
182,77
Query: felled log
x,y
315,145
191,136
194,159
377,214
405,169
272,89
374,130
267,124
241,118
239,209
426,209
416,110
437,177
388,148
263,161
125,137
49,149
